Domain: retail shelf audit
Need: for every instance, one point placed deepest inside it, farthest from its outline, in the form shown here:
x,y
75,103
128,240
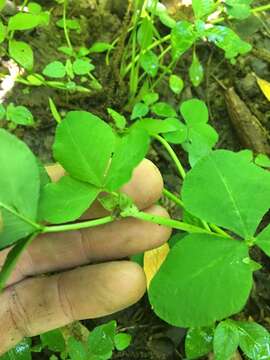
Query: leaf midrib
x,y
20,216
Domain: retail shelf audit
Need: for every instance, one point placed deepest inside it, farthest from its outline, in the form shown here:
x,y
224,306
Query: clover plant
x,y
208,274
99,344
152,55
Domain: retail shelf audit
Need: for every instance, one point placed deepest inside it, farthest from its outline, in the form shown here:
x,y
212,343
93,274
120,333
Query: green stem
x,y
253,11
172,154
173,198
218,230
65,25
79,225
161,220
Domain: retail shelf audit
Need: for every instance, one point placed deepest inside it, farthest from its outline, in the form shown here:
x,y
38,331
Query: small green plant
x,y
207,275
16,115
151,56
99,344
30,16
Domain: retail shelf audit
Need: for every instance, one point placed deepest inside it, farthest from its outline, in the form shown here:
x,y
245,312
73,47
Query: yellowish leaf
x,y
153,260
265,87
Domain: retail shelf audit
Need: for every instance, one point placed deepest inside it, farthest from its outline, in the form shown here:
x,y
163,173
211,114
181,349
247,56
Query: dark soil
x,y
152,338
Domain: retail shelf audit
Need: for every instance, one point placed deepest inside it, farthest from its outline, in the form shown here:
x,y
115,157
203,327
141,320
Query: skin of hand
x,y
33,303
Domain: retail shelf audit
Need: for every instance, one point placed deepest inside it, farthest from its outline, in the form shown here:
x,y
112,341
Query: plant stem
x,y
253,11
161,220
79,225
65,24
218,230
172,154
173,198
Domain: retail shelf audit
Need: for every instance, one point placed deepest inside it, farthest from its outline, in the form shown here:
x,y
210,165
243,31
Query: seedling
x,y
100,344
16,115
151,56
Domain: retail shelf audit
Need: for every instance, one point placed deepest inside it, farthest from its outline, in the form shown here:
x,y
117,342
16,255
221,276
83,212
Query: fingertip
x,y
146,184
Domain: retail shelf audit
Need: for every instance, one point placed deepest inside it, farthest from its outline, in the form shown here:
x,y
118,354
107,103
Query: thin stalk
x,y
218,230
65,25
173,198
172,154
253,11
79,225
175,224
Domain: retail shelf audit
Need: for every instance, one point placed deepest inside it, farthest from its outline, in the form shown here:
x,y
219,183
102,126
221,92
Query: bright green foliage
x,y
76,349
53,340
23,21
214,193
239,9
263,240
82,67
199,342
76,137
20,352
195,71
228,40
176,84
22,53
183,37
226,340
69,194
55,69
19,189
2,32
101,341
149,63
139,110
202,8
150,98
71,24
129,151
19,115
163,109
119,120
187,292
122,341
2,4
99,47
254,340
145,33
157,126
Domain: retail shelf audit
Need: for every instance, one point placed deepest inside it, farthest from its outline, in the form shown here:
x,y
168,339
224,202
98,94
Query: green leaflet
x,y
199,342
263,240
239,9
195,71
157,126
149,62
254,340
202,280
91,152
226,340
55,69
202,8
176,84
129,152
213,191
23,21
145,33
182,38
53,340
163,109
76,349
66,200
122,341
101,340
19,189
22,53
227,40
83,146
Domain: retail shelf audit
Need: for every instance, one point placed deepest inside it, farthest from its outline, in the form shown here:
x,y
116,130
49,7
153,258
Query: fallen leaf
x,y
264,86
153,260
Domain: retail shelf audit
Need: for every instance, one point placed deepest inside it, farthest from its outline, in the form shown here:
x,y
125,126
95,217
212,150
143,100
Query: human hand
x,y
33,303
